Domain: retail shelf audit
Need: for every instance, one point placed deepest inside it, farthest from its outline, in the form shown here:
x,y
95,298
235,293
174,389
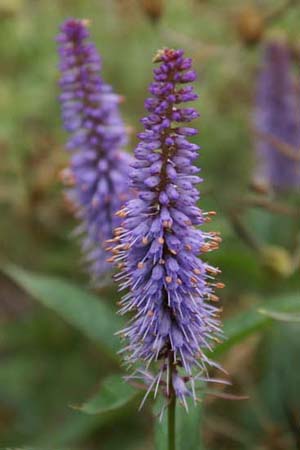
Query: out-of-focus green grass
x,y
45,365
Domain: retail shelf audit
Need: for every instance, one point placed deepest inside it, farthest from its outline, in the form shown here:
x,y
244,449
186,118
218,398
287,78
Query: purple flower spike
x,y
276,120
175,321
98,168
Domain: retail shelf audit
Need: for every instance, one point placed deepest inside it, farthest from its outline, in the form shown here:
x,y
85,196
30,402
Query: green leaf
x,y
25,448
280,316
246,323
188,432
85,311
113,394
236,329
188,428
76,427
21,448
161,433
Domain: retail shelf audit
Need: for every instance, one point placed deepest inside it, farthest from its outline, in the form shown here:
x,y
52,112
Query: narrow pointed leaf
x,y
85,311
113,394
246,323
188,429
282,317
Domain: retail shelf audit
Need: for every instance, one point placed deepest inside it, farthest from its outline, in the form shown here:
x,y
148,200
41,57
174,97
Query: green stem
x,y
171,422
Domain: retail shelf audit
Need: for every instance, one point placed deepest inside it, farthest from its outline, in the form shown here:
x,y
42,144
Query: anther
x,y
110,259
167,224
118,231
214,338
213,270
122,213
109,241
67,177
205,248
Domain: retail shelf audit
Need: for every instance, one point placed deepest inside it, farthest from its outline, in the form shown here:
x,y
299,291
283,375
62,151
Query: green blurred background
x,y
46,364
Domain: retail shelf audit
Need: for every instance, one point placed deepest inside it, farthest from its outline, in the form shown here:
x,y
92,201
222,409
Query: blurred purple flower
x,y
98,168
170,289
276,120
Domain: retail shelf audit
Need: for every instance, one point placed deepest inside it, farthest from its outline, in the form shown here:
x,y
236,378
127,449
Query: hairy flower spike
x,y
98,167
276,121
174,323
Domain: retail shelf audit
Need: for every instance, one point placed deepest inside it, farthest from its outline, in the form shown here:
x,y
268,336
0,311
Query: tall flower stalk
x,y
98,169
175,320
276,120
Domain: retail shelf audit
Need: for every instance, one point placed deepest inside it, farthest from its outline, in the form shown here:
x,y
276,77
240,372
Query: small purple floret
x,y
170,296
98,168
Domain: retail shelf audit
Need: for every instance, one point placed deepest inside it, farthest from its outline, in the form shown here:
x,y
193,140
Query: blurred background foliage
x,y
52,360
